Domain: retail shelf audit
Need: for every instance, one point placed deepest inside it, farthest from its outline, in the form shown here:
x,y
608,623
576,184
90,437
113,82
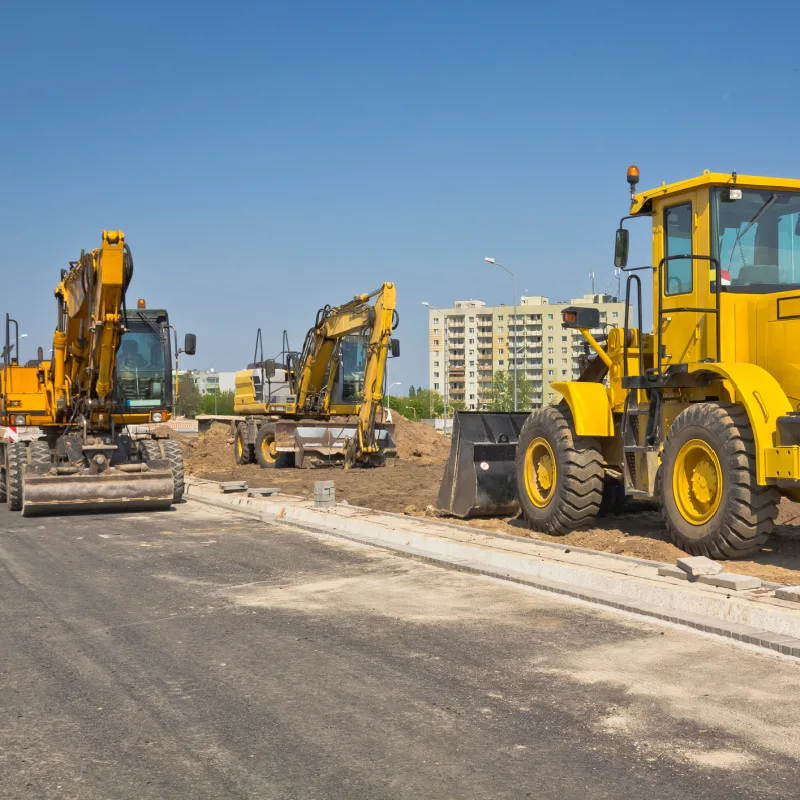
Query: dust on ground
x,y
412,484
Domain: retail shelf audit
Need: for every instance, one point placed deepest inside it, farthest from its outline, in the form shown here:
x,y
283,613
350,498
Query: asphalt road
x,y
195,654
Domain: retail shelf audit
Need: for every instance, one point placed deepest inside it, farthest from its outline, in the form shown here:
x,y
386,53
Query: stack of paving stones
x,y
324,494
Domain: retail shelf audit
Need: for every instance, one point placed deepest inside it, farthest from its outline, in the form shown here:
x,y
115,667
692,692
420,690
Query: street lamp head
x,y
426,304
489,260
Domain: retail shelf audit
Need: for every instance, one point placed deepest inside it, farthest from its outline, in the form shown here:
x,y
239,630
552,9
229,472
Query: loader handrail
x,y
688,309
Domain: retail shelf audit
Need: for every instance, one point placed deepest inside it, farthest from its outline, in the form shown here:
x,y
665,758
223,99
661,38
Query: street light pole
x,y
490,260
444,351
389,392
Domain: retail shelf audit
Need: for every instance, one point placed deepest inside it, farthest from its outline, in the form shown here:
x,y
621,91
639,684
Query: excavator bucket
x,y
128,487
480,476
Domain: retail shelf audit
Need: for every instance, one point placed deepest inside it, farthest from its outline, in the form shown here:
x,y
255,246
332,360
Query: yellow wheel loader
x,y
702,414
79,431
321,406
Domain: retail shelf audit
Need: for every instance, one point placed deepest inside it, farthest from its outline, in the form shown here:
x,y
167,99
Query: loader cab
x,y
143,384
746,230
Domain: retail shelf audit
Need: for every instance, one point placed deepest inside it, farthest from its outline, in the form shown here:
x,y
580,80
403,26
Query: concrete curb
x,y
754,616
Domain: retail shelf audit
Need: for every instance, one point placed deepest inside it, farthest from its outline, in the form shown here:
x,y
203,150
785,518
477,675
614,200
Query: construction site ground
x,y
411,487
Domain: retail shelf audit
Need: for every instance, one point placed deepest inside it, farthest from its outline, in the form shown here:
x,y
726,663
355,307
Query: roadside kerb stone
x,y
233,486
669,571
643,592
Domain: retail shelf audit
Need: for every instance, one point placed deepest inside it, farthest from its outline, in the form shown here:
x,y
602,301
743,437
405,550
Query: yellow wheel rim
x,y
269,449
697,482
540,472
239,446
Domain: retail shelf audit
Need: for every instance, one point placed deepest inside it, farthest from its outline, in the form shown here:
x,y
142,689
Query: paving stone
x,y
673,572
730,580
324,494
788,593
699,565
233,486
262,492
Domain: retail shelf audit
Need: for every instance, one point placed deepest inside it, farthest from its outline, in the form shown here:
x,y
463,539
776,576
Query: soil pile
x,y
209,452
418,442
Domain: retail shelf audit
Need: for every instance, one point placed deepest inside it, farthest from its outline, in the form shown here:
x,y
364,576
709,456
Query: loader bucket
x,y
113,490
480,476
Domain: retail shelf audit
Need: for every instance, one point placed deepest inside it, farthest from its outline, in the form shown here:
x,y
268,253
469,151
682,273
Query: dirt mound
x,y
418,442
209,452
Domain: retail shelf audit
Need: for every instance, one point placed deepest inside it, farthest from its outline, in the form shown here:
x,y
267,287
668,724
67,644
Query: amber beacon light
x,y
633,177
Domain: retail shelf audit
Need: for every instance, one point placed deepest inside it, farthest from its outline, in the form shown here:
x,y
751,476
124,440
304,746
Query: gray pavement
x,y
195,654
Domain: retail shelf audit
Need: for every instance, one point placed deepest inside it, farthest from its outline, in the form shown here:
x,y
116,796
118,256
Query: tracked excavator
x,y
701,415
322,406
80,430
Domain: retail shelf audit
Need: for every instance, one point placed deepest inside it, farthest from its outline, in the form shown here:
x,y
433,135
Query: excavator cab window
x,y
352,363
142,379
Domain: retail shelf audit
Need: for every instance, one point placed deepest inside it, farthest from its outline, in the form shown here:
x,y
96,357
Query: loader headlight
x,y
19,419
157,416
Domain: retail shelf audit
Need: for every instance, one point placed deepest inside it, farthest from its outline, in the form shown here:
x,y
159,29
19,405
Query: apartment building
x,y
471,341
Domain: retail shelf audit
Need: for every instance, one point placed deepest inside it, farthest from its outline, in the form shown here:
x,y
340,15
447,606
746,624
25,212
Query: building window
x,y
436,386
436,320
563,360
472,374
435,342
500,351
550,373
435,374
550,316
550,350
472,363
472,397
614,315
472,341
472,330
500,362
563,349
563,338
549,360
435,363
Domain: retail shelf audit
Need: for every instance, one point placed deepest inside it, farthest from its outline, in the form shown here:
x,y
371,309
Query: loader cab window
x,y
678,242
142,380
757,239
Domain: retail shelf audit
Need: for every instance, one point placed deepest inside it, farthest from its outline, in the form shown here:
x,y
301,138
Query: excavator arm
x,y
91,320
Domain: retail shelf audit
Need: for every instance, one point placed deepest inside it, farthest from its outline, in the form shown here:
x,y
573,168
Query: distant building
x,y
209,381
471,341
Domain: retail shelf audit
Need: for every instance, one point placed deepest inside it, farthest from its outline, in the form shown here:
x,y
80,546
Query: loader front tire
x,y
39,455
15,462
711,503
559,474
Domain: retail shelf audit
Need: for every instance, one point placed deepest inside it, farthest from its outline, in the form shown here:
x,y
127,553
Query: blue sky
x,y
267,158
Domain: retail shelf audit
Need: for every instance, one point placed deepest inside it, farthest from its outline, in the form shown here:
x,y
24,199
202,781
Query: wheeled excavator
x,y
80,430
701,415
325,410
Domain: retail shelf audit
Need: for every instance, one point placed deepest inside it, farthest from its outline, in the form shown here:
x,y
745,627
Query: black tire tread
x,y
579,483
174,454
748,511
15,462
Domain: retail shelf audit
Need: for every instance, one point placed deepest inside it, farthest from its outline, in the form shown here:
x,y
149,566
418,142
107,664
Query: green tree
x,y
502,398
423,405
412,391
188,397
224,403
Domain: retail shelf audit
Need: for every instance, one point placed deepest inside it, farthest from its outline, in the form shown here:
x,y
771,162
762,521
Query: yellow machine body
x,y
335,387
75,429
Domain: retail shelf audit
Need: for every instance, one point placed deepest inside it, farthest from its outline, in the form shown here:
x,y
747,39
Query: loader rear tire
x,y
15,462
559,474
242,451
3,490
151,451
711,503
174,454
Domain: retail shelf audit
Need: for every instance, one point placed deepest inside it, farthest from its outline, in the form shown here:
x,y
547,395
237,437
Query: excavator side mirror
x,y
621,248
580,317
190,344
269,368
395,348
